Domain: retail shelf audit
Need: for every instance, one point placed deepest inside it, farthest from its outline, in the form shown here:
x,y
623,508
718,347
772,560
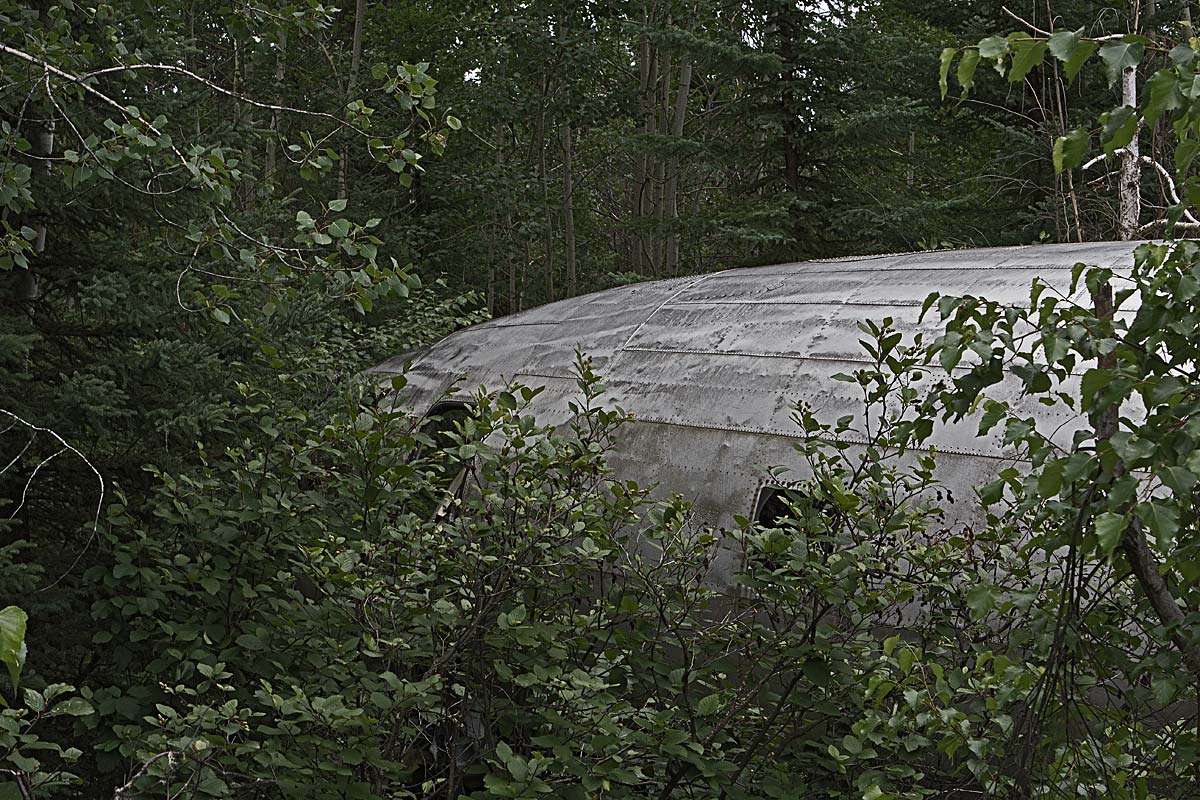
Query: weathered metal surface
x,y
711,366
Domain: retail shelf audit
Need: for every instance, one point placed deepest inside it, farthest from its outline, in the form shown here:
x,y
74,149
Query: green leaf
x,y
889,644
1117,128
338,205
1072,51
991,493
34,701
993,413
1051,479
1062,44
1094,381
944,72
905,657
1027,54
1179,480
816,670
966,69
708,705
1181,54
1164,95
981,598
73,707
12,641
1162,519
1185,153
1109,529
993,47
1119,56
1070,150
1164,688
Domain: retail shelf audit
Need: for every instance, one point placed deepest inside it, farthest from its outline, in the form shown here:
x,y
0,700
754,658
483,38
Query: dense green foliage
x,y
231,569
808,130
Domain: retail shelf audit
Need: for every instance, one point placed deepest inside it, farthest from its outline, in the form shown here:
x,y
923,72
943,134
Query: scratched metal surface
x,y
711,366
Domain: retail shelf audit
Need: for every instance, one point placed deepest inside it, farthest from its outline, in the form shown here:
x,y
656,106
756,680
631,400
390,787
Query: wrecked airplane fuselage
x,y
711,366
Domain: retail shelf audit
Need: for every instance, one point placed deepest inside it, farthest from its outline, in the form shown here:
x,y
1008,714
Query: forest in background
x,y
228,570
610,142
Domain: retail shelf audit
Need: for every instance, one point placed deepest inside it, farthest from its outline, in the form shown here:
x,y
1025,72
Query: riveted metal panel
x,y
711,366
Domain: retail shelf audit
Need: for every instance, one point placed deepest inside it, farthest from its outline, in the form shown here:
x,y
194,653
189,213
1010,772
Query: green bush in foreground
x,y
357,607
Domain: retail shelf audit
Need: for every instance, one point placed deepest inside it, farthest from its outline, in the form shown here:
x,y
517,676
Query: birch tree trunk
x,y
1129,177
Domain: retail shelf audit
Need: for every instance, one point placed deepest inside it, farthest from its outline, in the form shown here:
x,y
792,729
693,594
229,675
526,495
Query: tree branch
x,y
222,90
1040,32
1145,568
66,447
1162,171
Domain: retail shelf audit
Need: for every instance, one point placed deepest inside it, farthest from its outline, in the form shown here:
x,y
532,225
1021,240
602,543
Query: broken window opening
x,y
441,424
774,505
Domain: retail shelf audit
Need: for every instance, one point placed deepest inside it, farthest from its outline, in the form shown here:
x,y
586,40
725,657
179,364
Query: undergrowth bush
x,y
360,606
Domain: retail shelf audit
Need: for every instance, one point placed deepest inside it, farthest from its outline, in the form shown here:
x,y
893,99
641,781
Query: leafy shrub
x,y
355,607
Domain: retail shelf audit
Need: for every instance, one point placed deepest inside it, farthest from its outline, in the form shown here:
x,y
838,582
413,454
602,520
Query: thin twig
x,y
66,447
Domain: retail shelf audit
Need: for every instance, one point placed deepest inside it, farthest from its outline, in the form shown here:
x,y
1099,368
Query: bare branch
x,y
66,447
1041,32
50,68
222,90
124,790
1162,171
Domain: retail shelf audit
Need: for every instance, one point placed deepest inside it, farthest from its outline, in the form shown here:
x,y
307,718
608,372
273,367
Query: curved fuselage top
x,y
711,366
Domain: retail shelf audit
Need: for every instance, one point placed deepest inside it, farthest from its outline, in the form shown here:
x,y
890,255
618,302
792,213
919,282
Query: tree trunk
x,y
1142,561
548,237
637,193
569,207
269,164
42,139
1129,178
659,193
360,12
645,203
787,109
910,174
568,187
507,230
672,199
